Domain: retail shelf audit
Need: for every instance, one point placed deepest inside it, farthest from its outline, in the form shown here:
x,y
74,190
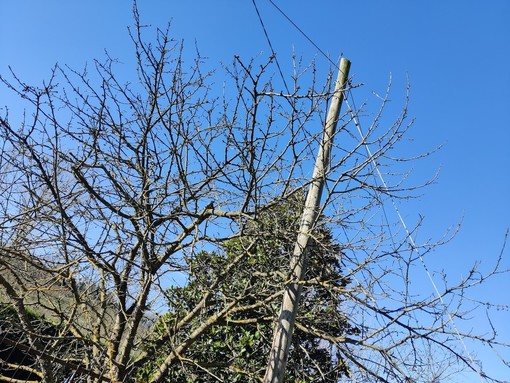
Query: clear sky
x,y
455,53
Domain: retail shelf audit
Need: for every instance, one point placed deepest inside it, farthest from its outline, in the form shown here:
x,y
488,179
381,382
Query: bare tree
x,y
110,190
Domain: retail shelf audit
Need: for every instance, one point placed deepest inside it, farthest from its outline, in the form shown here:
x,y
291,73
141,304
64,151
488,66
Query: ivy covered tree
x,y
235,348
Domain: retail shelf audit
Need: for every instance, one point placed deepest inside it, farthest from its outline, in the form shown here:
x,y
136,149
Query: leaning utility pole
x,y
282,337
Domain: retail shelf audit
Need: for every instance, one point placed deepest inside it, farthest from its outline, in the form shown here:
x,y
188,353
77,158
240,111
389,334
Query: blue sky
x,y
456,54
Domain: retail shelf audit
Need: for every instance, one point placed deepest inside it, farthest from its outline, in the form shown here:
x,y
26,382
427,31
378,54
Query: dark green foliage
x,y
18,358
235,346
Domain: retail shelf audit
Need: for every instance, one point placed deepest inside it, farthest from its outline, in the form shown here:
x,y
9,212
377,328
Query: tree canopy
x,y
150,221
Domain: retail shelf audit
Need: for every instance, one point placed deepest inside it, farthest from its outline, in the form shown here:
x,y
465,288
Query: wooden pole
x,y
284,328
